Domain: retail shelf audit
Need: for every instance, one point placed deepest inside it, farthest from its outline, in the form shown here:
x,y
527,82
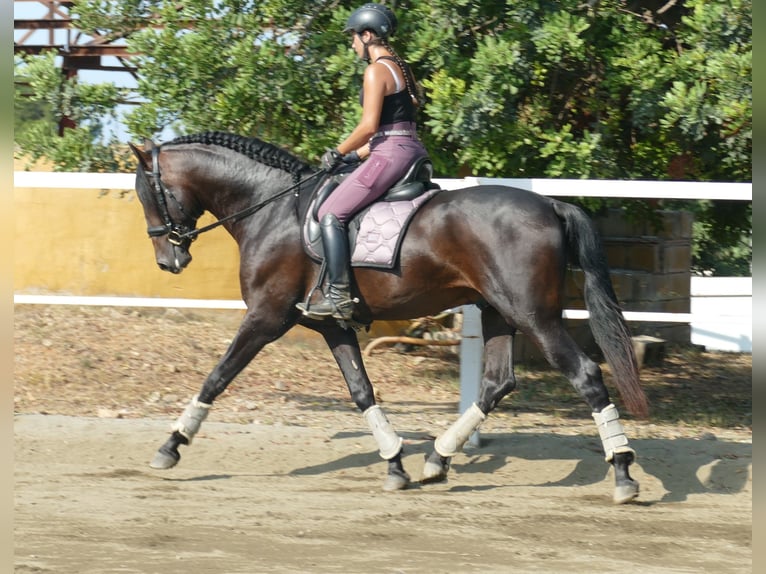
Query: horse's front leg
x,y
345,348
252,336
497,381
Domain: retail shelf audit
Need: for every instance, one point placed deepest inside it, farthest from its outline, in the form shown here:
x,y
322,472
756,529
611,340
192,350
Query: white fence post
x,y
471,353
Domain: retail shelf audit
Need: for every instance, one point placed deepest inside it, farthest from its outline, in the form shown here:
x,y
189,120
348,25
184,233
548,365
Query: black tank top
x,y
397,107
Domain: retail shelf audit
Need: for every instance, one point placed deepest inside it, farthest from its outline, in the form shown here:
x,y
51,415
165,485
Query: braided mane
x,y
253,148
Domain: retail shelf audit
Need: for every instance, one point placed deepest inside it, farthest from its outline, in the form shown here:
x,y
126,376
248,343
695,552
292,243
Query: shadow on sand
x,y
676,463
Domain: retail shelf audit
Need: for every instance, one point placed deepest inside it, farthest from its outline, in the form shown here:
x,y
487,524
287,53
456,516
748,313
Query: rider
x,y
385,138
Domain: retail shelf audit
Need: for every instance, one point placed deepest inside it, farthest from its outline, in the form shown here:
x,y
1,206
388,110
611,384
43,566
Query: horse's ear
x,y
143,156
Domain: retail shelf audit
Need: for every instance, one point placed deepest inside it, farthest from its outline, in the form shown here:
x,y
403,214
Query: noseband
x,y
177,232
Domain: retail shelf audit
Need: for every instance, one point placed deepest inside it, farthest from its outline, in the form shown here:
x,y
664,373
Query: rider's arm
x,y
375,77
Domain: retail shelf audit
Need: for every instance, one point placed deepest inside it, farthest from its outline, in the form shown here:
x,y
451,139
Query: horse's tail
x,y
606,320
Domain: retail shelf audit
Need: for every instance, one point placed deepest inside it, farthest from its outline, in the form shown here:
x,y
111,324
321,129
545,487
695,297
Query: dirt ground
x,y
285,477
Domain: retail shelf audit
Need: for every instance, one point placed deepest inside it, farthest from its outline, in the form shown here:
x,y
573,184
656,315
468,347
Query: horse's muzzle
x,y
175,261
174,269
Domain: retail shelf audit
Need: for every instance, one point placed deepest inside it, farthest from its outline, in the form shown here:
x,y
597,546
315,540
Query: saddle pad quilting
x,y
381,229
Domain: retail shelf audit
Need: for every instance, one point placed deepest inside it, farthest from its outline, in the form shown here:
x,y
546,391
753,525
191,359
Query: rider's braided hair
x,y
413,88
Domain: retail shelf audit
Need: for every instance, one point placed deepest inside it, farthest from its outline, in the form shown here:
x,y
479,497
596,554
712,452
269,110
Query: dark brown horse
x,y
503,249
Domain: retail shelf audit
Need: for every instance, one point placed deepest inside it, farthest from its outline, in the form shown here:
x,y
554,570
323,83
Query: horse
x,y
503,249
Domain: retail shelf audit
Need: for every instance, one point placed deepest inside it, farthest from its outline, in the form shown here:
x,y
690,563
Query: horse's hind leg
x,y
585,375
345,348
497,381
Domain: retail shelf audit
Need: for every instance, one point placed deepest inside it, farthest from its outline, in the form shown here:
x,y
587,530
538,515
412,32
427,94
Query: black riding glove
x,y
331,159
352,158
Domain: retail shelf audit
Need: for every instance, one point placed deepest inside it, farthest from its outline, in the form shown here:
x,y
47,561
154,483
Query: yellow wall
x,y
94,242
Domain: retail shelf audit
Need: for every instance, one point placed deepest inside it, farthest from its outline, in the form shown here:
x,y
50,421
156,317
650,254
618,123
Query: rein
x,y
178,233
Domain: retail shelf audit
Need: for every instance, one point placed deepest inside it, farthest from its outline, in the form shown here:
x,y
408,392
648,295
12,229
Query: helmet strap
x,y
366,51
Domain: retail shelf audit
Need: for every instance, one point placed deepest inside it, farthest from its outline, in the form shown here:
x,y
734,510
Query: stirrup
x,y
309,311
327,308
344,310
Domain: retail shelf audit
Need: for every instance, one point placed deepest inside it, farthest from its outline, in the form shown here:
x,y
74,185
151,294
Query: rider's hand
x,y
331,159
352,158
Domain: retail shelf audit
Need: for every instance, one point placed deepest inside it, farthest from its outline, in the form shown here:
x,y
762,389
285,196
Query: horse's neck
x,y
231,188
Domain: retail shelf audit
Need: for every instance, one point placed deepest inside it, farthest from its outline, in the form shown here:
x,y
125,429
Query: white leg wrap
x,y
388,441
189,422
451,442
612,434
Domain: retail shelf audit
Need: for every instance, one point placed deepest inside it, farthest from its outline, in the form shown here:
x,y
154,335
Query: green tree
x,y
45,99
602,89
537,88
28,110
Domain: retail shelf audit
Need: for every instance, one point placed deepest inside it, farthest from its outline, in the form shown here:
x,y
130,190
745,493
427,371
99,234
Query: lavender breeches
x,y
389,160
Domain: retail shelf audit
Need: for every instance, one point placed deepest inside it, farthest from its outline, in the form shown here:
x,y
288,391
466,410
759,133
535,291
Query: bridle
x,y
179,232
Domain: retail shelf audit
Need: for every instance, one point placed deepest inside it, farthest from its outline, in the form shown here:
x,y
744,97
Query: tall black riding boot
x,y
337,302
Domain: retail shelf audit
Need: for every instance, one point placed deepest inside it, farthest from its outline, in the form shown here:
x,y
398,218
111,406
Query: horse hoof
x,y
625,492
396,481
164,460
433,472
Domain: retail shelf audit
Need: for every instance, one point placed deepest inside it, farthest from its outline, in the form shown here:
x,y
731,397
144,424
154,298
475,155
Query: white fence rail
x,y
633,189
722,313
557,187
720,318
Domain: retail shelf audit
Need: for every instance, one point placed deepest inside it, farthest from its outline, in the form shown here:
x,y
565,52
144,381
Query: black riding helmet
x,y
376,17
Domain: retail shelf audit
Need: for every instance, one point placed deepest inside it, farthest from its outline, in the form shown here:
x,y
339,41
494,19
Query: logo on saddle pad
x,y
376,232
